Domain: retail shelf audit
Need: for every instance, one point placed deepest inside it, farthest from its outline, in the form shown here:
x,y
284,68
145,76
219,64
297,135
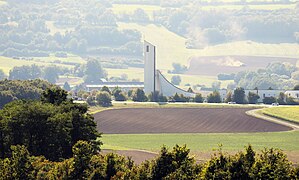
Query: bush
x,y
214,97
139,95
269,100
90,100
252,98
198,98
157,97
119,95
179,98
103,99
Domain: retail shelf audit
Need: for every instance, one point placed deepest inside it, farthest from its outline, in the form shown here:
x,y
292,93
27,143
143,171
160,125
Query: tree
x,y
252,98
176,80
214,97
105,89
16,89
119,95
198,98
2,75
25,72
272,164
51,74
90,100
157,97
103,98
229,97
190,90
46,129
66,86
54,96
269,100
281,98
93,72
139,95
239,95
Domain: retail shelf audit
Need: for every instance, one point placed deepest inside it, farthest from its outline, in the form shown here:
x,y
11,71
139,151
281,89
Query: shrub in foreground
x,y
87,163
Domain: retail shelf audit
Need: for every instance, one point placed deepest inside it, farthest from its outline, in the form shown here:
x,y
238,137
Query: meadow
x,y
290,113
172,48
206,142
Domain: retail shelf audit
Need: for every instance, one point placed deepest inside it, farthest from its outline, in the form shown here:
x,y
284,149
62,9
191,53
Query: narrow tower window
x,y
147,48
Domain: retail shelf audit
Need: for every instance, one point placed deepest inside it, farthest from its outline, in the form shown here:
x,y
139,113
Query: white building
x,y
293,93
153,78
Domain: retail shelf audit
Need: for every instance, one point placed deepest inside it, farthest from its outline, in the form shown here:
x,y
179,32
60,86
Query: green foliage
x,y
198,98
86,163
214,97
269,100
281,98
106,89
66,86
174,164
54,96
229,97
139,95
179,98
272,164
120,96
51,74
190,90
90,100
93,72
103,98
252,98
239,95
25,72
46,129
157,97
16,89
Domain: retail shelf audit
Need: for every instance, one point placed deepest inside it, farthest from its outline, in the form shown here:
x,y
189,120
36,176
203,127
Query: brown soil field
x,y
182,120
212,65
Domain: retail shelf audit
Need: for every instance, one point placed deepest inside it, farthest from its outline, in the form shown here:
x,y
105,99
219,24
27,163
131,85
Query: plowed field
x,y
182,120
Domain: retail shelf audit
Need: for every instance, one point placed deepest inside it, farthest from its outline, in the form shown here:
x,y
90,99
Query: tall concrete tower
x,y
149,67
153,78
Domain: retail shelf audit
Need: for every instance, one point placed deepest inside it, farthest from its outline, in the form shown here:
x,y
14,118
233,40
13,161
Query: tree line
x,y
104,97
177,163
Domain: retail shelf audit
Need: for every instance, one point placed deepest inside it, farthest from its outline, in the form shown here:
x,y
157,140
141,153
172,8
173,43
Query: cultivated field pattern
x,y
182,120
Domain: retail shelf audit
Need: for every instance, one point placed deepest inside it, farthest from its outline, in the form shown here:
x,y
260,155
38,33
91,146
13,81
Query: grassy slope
x,y
288,113
171,47
288,141
8,63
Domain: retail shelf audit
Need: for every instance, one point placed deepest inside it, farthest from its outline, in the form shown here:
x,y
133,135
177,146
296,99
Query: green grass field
x,y
287,113
7,63
288,141
171,47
